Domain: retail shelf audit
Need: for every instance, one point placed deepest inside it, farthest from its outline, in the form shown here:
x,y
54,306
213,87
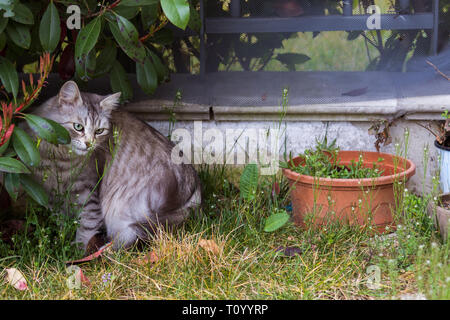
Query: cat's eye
x,y
78,127
99,131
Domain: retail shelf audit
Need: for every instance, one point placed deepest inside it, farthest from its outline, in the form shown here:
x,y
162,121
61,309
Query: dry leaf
x,y
16,279
84,280
289,251
356,92
105,248
150,257
209,245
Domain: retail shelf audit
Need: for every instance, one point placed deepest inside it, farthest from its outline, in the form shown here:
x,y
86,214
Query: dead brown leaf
x,y
15,278
209,246
149,258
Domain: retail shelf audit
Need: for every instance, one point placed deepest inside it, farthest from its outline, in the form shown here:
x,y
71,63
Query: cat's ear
x,y
69,94
111,102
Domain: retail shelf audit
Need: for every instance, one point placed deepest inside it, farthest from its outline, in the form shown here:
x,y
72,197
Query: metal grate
x,y
227,23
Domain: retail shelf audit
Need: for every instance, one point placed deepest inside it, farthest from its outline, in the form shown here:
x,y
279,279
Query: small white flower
x,y
428,262
434,245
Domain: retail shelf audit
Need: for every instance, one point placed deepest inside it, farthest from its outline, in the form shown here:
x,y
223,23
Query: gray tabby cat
x,y
141,188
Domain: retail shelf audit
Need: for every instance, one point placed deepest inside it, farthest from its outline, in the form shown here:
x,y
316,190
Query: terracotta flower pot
x,y
353,201
441,213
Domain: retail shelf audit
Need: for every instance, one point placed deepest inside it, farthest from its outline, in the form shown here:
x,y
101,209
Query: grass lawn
x,y
241,261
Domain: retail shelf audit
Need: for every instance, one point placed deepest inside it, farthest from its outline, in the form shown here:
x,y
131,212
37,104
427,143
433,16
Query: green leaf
x,y
48,129
126,12
62,135
25,147
138,3
8,76
195,23
146,76
22,14
85,68
86,40
160,68
149,14
127,37
12,165
248,182
119,82
276,221
105,60
19,34
50,28
177,11
34,190
3,23
4,146
12,185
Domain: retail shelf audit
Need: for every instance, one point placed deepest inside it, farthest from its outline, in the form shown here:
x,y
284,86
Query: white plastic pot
x,y
444,167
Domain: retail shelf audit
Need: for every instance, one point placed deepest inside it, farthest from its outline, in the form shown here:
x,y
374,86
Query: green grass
x,y
333,263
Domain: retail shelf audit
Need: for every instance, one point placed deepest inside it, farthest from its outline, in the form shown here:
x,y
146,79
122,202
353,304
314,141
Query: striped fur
x,y
140,189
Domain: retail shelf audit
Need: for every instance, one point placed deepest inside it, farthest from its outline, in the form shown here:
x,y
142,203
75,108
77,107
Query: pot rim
x,y
365,182
441,147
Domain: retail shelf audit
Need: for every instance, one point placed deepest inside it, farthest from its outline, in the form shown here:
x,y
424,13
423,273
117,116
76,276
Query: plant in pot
x,y
354,187
439,209
442,143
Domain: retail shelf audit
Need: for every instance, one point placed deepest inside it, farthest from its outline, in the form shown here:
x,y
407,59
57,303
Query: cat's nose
x,y
88,144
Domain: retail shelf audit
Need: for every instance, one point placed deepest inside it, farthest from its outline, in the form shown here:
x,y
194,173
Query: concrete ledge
x,y
163,109
313,96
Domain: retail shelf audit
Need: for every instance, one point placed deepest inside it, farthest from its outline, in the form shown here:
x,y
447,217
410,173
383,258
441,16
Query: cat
x,y
130,189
